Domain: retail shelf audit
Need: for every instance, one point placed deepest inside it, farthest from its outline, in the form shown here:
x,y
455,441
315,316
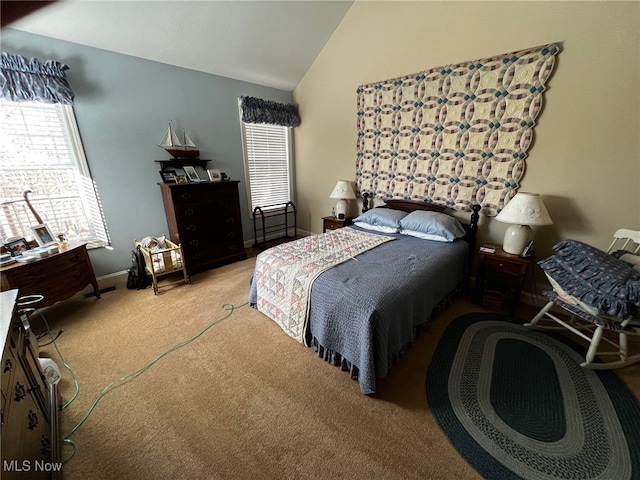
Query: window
x,y
267,164
41,151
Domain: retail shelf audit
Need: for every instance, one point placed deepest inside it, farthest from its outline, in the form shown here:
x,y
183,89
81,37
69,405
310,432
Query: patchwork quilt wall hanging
x,y
454,135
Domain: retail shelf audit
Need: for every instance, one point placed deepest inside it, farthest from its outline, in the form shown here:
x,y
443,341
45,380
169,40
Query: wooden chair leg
x,y
543,311
593,347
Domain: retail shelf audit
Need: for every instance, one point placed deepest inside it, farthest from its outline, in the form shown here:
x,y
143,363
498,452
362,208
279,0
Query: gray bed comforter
x,y
367,310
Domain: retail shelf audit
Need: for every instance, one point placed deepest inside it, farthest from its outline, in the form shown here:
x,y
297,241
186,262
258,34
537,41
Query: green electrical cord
x,y
67,441
66,365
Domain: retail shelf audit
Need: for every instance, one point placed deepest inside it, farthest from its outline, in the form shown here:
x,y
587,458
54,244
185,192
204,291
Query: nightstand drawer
x,y
505,266
333,223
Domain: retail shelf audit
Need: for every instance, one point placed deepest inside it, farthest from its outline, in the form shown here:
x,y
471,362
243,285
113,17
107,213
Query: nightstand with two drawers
x,y
500,279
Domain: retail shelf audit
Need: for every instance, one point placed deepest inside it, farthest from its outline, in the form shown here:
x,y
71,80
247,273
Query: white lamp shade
x,y
523,210
343,190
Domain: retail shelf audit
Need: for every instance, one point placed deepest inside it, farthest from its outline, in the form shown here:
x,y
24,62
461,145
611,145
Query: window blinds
x,y
267,165
40,151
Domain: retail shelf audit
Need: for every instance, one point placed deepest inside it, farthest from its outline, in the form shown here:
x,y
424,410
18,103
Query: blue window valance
x,y
29,80
256,110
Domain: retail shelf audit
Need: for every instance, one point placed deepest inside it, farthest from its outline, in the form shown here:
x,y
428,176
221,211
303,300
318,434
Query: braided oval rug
x,y
516,404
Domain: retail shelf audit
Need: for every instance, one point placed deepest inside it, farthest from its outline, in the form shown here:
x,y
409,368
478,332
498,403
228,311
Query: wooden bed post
x,y
475,216
365,202
471,236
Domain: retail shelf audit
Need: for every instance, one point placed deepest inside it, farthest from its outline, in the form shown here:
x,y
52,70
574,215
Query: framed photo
x,y
214,175
168,177
182,179
16,247
191,174
43,235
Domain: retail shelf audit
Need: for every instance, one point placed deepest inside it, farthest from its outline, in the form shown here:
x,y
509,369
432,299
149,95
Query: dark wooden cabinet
x,y
205,219
30,439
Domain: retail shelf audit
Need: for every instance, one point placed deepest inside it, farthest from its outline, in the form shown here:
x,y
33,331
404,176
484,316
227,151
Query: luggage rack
x,y
262,213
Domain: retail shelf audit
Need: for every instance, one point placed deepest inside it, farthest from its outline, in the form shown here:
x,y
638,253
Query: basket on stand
x,y
160,262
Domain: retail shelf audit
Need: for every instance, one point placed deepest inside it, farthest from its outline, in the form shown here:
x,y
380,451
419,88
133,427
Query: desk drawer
x,y
57,277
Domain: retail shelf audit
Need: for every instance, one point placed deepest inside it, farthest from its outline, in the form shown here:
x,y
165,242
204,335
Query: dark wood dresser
x,y
205,218
56,277
30,404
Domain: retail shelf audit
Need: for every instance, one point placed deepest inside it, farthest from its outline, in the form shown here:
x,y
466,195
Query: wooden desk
x,y
56,277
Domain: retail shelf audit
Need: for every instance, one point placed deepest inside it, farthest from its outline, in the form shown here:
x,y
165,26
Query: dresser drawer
x,y
212,244
203,193
48,267
215,256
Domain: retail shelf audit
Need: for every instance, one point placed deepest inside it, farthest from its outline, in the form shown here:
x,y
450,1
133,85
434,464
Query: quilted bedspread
x,y
284,274
364,311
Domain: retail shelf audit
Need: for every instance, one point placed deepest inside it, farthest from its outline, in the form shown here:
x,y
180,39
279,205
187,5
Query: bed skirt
x,y
337,360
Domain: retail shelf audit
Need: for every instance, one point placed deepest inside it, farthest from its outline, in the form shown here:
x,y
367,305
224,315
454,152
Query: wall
x,y
122,107
585,158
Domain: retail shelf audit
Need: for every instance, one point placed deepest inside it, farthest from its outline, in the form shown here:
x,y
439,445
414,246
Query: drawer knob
x,y
33,420
46,445
21,393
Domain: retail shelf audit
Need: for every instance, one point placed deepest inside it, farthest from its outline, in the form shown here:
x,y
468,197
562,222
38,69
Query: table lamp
x,y
523,210
343,191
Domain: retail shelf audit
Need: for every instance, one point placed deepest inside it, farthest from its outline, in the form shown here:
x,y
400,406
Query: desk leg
x,y
92,275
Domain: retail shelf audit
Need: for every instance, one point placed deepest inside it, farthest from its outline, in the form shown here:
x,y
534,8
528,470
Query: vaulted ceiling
x,y
270,43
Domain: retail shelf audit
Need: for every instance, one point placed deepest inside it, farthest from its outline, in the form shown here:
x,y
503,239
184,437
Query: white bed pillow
x,y
376,228
431,226
381,217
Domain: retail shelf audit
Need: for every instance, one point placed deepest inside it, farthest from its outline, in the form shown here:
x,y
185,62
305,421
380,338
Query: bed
x,y
369,289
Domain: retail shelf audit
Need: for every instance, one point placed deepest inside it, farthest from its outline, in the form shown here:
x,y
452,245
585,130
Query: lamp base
x,y
341,209
516,238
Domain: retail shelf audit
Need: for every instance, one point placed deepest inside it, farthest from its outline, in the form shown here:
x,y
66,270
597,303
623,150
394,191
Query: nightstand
x,y
332,223
499,279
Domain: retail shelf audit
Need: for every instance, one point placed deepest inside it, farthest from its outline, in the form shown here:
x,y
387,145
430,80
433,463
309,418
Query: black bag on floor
x,y
138,278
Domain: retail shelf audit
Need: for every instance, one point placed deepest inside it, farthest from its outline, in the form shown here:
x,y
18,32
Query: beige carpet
x,y
243,400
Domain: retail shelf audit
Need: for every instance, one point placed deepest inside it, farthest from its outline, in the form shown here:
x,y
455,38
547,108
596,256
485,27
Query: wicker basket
x,y
160,263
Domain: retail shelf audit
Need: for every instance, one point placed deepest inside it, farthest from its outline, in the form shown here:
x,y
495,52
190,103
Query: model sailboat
x,y
176,148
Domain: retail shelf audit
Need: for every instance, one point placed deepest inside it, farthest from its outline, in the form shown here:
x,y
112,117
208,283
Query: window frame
x,y
289,163
92,212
